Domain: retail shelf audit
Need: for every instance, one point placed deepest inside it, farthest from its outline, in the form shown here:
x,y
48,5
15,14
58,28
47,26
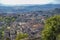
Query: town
x,y
31,23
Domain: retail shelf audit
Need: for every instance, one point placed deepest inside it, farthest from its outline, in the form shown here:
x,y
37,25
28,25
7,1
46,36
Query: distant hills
x,y
28,8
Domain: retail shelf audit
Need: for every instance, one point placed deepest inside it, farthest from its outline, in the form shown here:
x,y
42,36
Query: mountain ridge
x,y
28,8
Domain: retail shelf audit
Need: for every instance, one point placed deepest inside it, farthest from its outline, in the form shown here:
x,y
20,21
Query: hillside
x,y
27,8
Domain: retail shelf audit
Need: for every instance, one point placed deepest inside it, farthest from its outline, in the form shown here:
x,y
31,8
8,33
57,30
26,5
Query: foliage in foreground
x,y
52,28
21,36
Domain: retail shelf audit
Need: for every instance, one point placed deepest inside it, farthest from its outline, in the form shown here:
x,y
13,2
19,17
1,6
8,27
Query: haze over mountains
x,y
27,8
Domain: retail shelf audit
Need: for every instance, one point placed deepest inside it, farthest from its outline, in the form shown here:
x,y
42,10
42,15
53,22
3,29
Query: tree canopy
x,y
21,36
52,28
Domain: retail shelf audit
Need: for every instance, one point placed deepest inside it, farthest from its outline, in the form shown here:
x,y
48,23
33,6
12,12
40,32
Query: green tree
x,y
21,36
52,28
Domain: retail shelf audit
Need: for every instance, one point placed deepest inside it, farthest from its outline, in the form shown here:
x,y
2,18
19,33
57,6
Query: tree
x,y
7,38
52,28
21,36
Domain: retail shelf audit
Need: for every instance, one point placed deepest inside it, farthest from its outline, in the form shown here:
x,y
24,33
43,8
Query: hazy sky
x,y
14,2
